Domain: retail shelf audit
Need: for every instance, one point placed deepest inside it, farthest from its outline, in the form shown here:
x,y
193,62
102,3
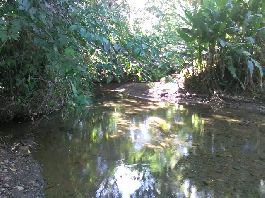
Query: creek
x,y
125,147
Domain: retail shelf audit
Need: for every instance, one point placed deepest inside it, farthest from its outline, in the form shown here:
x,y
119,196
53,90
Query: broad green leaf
x,y
144,46
109,79
222,42
250,66
83,100
257,64
15,29
32,12
117,47
137,51
105,40
250,40
83,32
74,90
92,51
24,4
232,70
246,53
184,36
262,28
74,27
69,52
261,71
106,46
3,35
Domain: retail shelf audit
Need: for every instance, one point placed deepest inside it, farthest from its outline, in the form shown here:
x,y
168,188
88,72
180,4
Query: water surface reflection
x,y
129,148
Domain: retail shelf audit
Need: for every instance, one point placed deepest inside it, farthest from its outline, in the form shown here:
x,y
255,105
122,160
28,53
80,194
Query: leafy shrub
x,y
225,38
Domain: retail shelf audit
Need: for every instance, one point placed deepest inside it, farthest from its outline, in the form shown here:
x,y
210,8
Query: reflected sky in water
x,y
122,147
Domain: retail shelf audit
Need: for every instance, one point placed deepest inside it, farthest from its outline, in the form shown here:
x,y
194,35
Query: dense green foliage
x,y
45,44
226,40
39,50
54,51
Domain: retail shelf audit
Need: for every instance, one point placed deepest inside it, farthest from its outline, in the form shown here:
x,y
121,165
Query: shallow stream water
x,y
123,147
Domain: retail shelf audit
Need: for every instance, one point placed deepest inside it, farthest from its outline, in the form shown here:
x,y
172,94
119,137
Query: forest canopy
x,y
54,51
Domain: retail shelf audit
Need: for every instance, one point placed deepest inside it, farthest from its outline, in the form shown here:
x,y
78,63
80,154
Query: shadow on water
x,y
129,148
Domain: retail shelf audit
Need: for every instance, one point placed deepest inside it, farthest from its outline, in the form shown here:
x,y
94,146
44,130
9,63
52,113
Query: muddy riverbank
x,y
176,93
20,174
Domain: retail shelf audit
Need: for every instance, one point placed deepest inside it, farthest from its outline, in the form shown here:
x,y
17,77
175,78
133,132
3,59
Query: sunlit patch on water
x,y
140,136
126,181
